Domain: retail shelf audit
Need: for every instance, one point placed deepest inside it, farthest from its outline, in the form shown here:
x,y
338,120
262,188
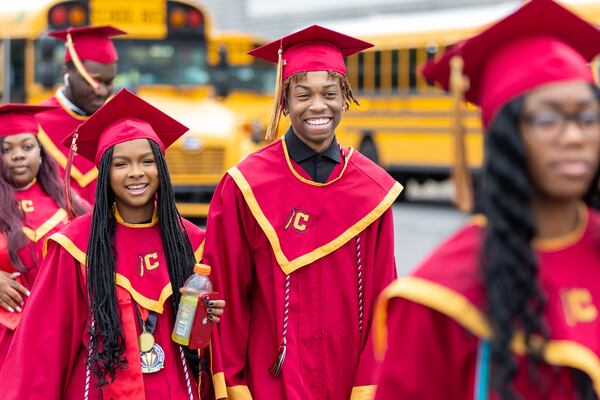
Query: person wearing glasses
x,y
508,306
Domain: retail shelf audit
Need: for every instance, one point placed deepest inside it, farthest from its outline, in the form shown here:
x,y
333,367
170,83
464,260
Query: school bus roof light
x,y
59,16
177,18
77,16
194,18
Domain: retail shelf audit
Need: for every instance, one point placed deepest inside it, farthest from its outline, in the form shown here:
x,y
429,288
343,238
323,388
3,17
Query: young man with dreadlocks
x,y
33,207
98,324
507,308
300,237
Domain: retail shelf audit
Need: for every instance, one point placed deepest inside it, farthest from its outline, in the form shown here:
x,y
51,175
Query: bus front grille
x,y
209,160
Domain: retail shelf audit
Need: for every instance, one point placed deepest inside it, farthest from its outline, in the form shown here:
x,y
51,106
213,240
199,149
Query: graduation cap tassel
x,y
461,173
278,365
277,100
78,64
67,188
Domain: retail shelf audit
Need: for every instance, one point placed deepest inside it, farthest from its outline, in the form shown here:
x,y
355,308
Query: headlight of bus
x,y
192,143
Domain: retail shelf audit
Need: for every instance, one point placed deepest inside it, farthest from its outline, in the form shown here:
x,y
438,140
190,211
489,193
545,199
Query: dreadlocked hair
x,y
347,94
107,337
12,217
509,265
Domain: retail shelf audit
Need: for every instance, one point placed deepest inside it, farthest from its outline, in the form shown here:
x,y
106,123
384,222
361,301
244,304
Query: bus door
x,y
12,70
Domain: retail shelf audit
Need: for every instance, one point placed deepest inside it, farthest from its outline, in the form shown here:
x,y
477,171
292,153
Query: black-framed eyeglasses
x,y
553,123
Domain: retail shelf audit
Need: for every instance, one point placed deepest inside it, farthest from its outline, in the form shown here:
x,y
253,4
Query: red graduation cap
x,y
124,117
19,118
541,43
91,43
311,49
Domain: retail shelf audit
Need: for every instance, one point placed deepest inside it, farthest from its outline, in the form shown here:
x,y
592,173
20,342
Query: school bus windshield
x,y
256,78
151,62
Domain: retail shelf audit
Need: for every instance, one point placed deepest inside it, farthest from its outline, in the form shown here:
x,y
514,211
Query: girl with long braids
x,y
98,325
33,207
507,308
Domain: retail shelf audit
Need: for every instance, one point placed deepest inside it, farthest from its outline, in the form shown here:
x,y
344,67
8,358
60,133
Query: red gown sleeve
x,y
227,251
429,356
380,271
43,354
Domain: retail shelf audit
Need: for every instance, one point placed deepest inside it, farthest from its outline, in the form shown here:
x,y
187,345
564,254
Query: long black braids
x,y
509,266
107,337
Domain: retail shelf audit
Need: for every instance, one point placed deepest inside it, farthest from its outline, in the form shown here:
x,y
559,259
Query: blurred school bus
x,y
405,123
172,57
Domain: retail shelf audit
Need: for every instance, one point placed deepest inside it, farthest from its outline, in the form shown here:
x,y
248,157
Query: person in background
x,y
98,324
300,238
88,73
32,209
507,308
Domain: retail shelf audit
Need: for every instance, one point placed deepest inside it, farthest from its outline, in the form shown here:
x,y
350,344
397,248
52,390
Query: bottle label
x,y
185,318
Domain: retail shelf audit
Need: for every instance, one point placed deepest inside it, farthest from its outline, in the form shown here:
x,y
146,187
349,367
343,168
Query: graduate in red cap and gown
x,y
33,207
300,238
99,321
508,306
88,73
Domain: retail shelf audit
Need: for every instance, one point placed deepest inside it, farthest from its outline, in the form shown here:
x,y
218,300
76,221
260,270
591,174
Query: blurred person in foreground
x,y
507,308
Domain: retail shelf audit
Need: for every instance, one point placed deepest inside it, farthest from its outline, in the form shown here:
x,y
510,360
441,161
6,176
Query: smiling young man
x,y
300,238
88,73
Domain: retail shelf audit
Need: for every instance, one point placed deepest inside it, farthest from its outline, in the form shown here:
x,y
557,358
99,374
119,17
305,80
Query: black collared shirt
x,y
317,165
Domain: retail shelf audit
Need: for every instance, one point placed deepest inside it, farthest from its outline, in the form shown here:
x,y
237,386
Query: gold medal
x,y
145,342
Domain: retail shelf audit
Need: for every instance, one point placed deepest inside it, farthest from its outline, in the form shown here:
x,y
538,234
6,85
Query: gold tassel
x,y
461,174
78,64
277,100
67,188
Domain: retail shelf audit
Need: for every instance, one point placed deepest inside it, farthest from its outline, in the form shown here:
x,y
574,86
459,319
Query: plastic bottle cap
x,y
202,269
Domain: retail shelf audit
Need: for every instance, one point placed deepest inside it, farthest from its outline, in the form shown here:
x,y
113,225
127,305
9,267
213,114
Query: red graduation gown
x,y
42,218
270,227
55,125
48,356
431,322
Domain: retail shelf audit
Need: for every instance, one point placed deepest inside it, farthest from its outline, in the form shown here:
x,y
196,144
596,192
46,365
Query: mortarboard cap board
x,y
311,49
541,43
124,117
20,118
91,43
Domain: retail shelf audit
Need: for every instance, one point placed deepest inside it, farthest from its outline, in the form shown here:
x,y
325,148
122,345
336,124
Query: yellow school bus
x,y
405,123
172,57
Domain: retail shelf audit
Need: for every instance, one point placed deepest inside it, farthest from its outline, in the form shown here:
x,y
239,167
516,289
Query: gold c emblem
x,y
300,221
149,262
27,206
578,306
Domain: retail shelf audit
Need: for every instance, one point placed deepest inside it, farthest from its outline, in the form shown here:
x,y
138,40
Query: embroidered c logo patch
x,y
299,220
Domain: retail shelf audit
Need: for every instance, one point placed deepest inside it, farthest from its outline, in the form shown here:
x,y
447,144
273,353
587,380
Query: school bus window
x,y
361,72
369,71
431,52
352,68
386,71
395,71
377,71
412,69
